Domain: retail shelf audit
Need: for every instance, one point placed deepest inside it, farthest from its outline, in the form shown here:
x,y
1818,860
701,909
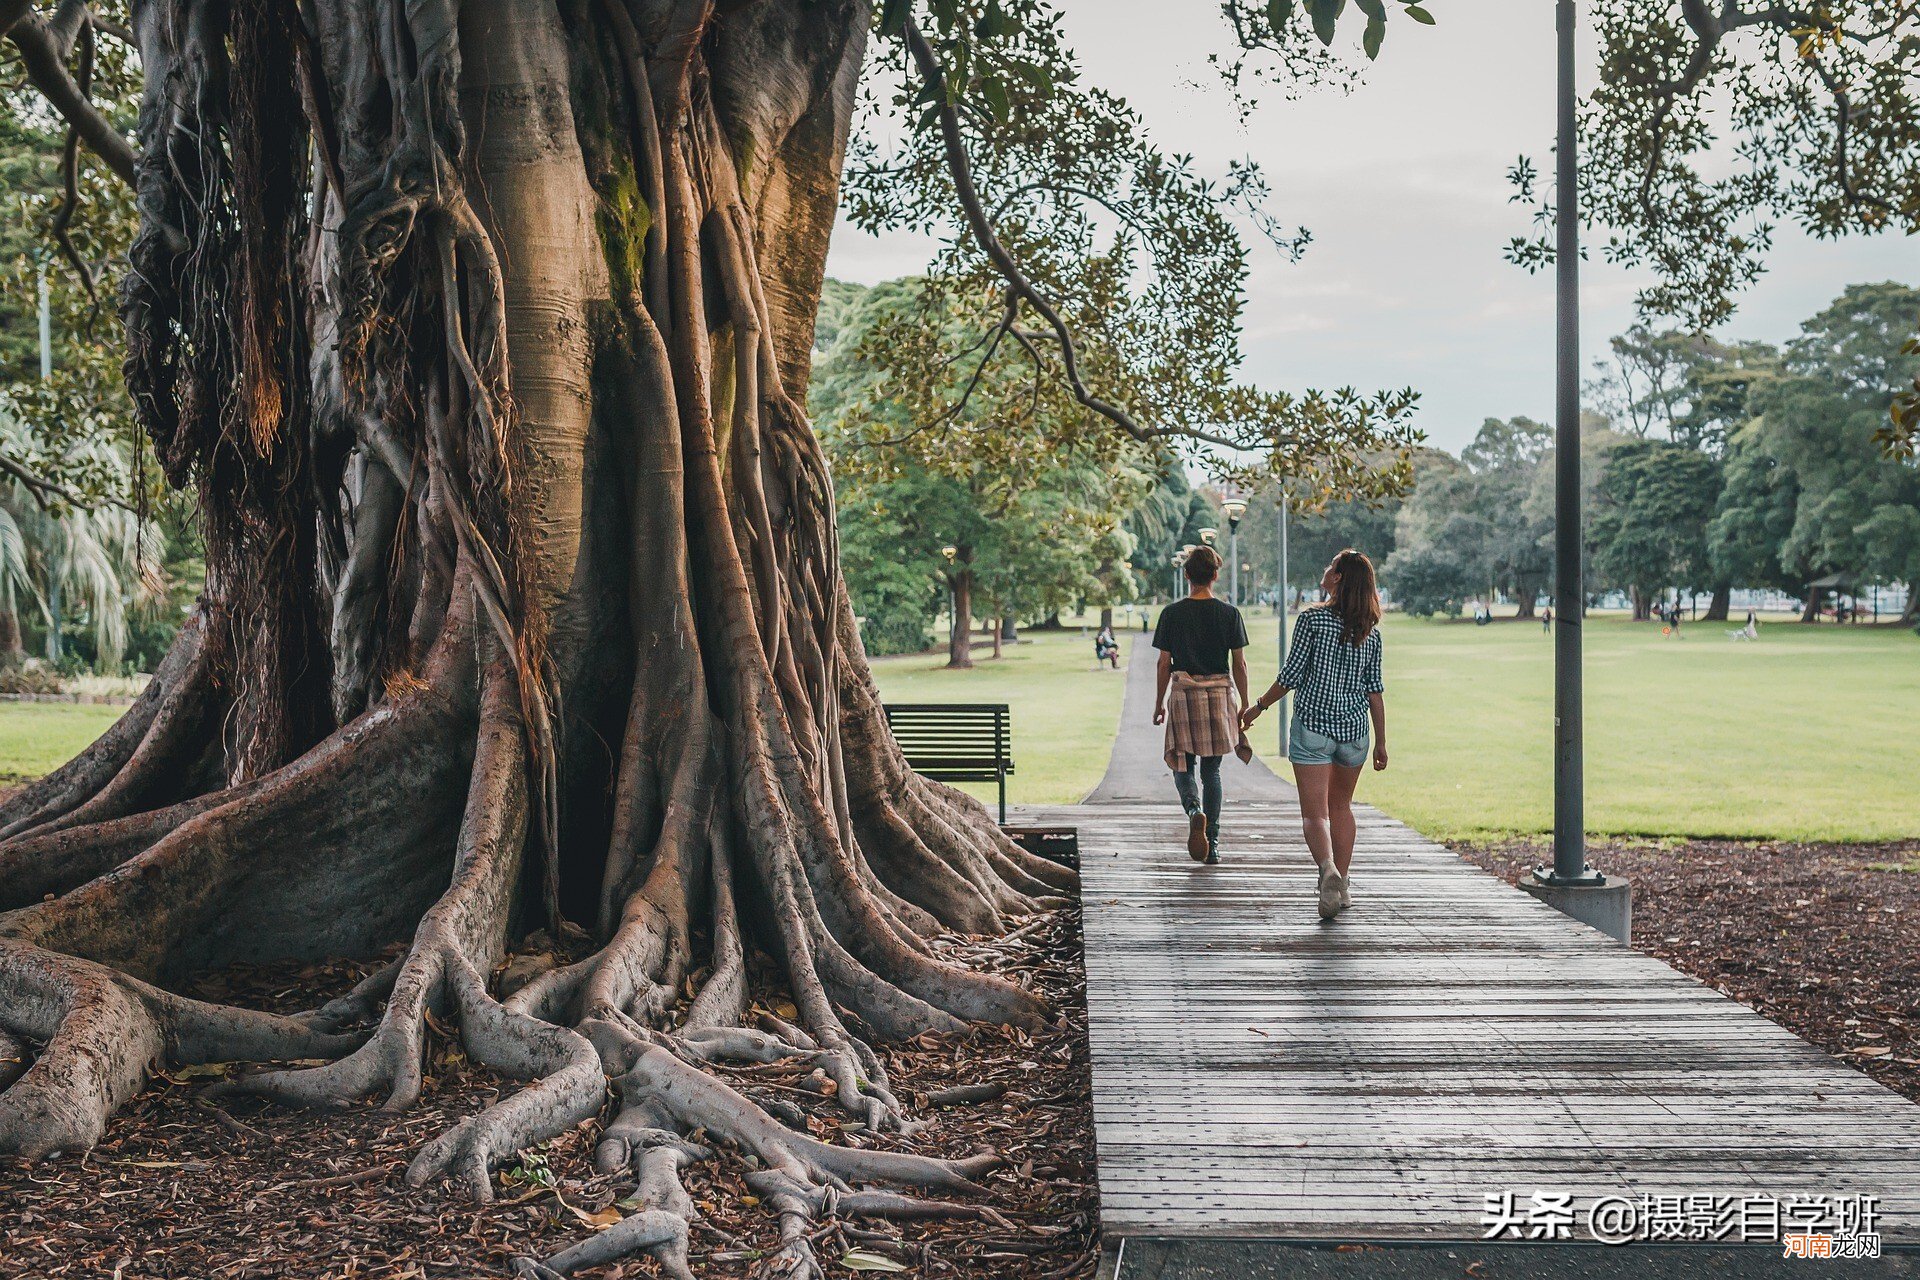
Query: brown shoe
x,y
1197,836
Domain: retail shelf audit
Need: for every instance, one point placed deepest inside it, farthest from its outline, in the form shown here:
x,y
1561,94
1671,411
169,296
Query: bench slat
x,y
956,741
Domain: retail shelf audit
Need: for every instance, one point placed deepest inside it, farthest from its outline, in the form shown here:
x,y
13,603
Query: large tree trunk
x,y
13,648
960,630
1721,604
495,409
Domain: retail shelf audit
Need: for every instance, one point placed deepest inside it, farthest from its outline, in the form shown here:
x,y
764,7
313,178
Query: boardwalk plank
x,y
1258,1072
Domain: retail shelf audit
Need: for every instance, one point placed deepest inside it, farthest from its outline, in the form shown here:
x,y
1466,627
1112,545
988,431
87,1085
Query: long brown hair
x,y
1356,597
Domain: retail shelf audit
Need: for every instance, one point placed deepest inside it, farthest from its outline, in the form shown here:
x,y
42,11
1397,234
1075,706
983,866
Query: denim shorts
x,y
1304,746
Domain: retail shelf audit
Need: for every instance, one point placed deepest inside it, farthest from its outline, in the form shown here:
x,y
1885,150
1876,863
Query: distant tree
x,y
76,575
1436,566
1169,517
1712,120
1808,478
1014,481
1470,528
1316,533
1648,526
1691,389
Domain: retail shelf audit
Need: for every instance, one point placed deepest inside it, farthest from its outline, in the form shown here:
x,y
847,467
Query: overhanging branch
x,y
42,55
961,168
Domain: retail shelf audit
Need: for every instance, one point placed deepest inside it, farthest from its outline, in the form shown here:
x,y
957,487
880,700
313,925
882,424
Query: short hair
x,y
1203,566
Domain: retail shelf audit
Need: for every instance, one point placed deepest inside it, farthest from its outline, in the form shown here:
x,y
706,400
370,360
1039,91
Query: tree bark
x,y
12,645
497,422
1721,604
960,633
1106,616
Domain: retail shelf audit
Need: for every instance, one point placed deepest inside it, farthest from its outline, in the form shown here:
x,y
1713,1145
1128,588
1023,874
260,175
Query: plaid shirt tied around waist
x,y
1202,720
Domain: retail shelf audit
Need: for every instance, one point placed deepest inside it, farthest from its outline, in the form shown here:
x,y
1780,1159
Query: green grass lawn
x,y
37,737
1065,710
1810,733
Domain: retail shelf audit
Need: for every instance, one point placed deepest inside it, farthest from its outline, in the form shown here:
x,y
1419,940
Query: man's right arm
x,y
1162,677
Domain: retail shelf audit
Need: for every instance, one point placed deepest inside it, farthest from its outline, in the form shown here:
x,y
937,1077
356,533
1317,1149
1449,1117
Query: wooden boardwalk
x,y
1260,1073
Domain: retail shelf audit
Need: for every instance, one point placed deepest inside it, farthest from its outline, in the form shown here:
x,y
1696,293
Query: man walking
x,y
1202,643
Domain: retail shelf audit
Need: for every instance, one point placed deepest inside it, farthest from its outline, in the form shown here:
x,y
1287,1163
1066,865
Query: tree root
x,y
101,1032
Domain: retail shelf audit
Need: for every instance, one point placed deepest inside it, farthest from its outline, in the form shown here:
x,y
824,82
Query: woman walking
x,y
1202,643
1334,667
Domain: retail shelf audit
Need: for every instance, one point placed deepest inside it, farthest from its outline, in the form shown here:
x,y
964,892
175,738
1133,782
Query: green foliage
x,y
1476,525
80,242
1030,499
1648,529
1809,491
1170,517
1315,535
1690,388
1084,263
77,576
1710,123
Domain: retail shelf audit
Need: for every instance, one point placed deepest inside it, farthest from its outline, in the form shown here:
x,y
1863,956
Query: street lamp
x,y
1208,535
1234,508
1286,593
1569,818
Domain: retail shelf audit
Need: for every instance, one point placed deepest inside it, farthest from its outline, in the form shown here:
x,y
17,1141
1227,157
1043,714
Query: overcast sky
x,y
1403,185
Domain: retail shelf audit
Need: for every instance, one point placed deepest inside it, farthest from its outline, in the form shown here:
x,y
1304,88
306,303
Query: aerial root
x,y
661,1223
654,1231
663,1093
568,1088
101,1031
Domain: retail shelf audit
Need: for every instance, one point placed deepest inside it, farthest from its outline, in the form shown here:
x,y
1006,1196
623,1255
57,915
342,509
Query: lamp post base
x,y
1606,905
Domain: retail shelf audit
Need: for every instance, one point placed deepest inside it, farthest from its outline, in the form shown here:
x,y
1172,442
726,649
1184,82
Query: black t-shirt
x,y
1199,635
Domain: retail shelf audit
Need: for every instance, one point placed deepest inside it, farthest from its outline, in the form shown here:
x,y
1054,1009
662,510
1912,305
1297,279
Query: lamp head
x,y
1207,535
1233,509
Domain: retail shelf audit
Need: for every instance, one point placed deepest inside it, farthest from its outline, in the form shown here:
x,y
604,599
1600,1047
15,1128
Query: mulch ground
x,y
1822,938
181,1187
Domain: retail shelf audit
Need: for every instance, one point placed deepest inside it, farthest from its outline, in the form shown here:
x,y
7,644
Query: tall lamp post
x,y
1569,816
1233,508
1571,885
1286,600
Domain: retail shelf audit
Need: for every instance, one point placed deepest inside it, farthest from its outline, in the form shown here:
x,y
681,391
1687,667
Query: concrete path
x,y
1260,1075
1136,773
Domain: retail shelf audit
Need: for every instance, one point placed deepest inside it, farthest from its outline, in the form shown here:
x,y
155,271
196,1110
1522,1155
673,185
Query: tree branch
x,y
11,11
45,65
971,205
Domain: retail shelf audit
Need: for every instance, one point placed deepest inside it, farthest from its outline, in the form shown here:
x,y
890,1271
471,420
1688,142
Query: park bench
x,y
956,741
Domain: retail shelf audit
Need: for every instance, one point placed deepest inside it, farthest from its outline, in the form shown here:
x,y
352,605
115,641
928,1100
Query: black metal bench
x,y
956,741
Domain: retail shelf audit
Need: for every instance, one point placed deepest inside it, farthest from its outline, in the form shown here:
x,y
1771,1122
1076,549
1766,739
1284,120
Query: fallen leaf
x,y
861,1260
601,1220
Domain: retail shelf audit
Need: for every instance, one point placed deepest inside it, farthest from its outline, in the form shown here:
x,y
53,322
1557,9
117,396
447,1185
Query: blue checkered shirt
x,y
1330,678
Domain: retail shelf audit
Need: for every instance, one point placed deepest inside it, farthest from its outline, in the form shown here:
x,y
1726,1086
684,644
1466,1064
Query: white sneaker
x,y
1345,881
1330,886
